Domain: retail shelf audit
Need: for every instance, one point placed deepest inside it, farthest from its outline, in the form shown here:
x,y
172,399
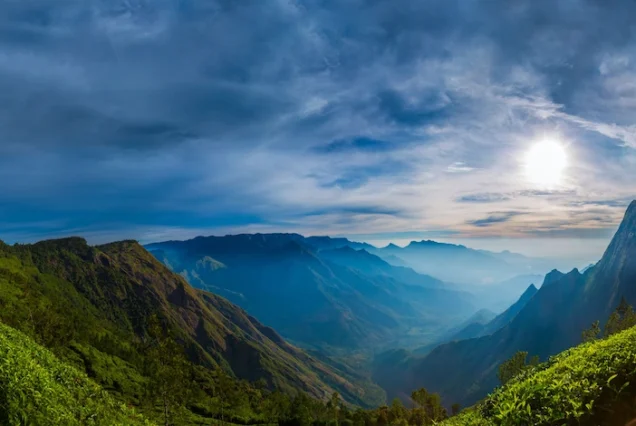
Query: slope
x,y
590,385
115,288
56,393
551,321
478,329
340,297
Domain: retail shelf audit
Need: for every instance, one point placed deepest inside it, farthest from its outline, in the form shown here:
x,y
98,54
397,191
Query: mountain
x,y
373,265
482,323
475,322
483,328
551,320
330,243
339,297
462,265
105,295
500,295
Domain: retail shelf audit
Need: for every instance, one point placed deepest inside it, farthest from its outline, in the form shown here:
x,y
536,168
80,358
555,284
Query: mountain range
x,y
111,291
339,294
548,321
226,299
463,265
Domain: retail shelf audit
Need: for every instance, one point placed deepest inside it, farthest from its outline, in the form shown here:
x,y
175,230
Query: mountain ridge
x,y
552,320
340,297
116,287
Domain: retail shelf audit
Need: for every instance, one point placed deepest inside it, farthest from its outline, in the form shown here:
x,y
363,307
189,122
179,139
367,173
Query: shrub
x,y
37,388
591,384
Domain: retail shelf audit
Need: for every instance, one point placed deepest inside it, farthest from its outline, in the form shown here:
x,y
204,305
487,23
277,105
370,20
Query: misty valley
x,y
317,212
286,329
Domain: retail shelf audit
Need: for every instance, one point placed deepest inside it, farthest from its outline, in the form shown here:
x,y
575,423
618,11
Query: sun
x,y
545,163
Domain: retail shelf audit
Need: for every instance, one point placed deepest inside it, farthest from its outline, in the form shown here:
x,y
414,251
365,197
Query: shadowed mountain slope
x,y
339,297
552,320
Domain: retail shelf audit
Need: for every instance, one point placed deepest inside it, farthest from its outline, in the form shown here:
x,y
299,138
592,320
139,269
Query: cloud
x,y
494,218
355,144
459,167
486,197
145,118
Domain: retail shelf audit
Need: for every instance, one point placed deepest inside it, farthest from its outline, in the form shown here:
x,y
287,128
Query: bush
x,y
37,388
591,384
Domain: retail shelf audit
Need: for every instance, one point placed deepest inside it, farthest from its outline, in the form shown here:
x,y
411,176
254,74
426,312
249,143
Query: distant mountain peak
x,y
618,259
392,246
435,244
628,225
552,277
531,289
345,249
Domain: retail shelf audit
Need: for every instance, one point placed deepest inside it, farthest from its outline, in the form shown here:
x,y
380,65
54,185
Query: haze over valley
x,y
317,213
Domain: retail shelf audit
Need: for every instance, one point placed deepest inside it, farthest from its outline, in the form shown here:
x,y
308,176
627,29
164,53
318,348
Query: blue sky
x,y
372,119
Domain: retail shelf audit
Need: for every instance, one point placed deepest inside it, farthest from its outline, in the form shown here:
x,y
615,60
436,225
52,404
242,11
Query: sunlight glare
x,y
545,163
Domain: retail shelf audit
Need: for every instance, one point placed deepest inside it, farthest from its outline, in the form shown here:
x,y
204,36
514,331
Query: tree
x,y
419,397
300,411
591,333
223,390
334,405
433,407
429,407
361,417
397,411
512,367
455,409
383,416
417,417
168,371
621,319
276,407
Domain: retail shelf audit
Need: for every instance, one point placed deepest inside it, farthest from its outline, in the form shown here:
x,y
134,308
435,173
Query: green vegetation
x,y
515,365
591,333
129,342
36,388
591,384
178,355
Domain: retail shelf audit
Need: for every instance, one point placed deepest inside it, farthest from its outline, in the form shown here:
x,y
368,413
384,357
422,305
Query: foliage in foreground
x,y
36,388
591,384
109,316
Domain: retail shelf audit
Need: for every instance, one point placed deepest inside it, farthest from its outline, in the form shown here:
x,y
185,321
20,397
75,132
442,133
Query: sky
x,y
378,120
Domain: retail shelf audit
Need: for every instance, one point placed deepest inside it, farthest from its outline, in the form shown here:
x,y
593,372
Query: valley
x,y
351,323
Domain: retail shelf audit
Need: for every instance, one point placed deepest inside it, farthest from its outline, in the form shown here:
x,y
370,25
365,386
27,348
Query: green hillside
x,y
92,307
37,388
123,331
591,384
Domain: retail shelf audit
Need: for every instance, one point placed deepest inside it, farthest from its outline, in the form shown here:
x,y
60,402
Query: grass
x,y
37,388
591,384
